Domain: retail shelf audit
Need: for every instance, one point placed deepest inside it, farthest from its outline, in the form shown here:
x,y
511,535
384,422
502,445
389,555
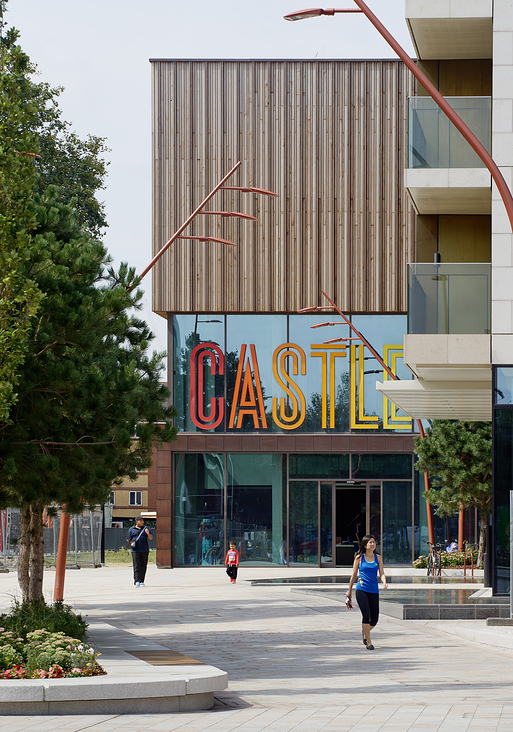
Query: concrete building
x,y
459,342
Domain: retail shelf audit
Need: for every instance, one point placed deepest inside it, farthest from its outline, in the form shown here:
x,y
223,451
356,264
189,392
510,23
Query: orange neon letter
x,y
292,421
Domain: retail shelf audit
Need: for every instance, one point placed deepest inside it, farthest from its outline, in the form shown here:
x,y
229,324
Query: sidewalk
x,y
295,662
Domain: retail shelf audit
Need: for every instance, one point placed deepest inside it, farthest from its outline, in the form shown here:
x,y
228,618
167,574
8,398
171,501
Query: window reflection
x,y
274,373
326,384
189,332
255,507
249,399
385,333
199,525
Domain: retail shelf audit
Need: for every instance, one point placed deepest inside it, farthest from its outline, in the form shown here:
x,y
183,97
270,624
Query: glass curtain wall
x,y
273,373
304,522
254,507
199,511
502,476
243,497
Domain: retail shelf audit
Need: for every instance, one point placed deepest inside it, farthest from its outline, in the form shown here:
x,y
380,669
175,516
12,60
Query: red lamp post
x,y
65,519
431,89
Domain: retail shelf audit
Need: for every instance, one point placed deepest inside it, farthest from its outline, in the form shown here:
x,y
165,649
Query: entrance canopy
x,y
465,400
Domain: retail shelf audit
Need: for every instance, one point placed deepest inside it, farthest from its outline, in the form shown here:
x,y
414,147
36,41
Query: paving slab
x,y
294,661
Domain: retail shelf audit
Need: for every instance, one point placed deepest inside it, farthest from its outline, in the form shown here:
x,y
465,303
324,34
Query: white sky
x,y
99,50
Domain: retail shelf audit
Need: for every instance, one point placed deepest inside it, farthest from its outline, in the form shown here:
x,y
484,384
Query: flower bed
x,y
28,650
45,655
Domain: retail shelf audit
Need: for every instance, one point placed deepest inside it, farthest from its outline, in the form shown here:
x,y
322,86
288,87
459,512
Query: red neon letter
x,y
202,420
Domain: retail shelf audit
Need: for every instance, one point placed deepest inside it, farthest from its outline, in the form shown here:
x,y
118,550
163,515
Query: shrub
x,y
9,656
46,649
57,618
448,559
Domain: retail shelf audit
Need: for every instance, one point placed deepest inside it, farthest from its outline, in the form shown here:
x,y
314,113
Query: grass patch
x,y
123,556
112,558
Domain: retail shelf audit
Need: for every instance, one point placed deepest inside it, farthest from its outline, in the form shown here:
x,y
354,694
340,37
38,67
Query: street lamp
x,y
431,89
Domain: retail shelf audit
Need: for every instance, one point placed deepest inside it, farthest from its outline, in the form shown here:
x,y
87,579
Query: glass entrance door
x,y
328,519
356,512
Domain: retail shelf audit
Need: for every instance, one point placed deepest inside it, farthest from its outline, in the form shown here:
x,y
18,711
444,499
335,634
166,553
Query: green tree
x,y
37,148
77,166
19,297
457,456
90,404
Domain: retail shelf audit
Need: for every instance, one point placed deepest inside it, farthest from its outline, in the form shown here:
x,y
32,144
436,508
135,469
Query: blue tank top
x,y
368,575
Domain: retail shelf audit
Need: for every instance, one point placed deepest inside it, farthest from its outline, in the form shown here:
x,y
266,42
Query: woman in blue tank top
x,y
367,565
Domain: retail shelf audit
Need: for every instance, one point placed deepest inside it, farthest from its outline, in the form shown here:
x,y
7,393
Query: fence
x,y
84,539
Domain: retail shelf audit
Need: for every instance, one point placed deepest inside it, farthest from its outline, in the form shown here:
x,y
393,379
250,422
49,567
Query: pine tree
x,y
90,403
19,297
81,403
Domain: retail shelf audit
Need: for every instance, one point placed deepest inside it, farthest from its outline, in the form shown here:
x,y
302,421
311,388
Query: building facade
x,y
459,342
285,445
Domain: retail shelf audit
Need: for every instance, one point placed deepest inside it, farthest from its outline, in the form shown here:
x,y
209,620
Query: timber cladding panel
x,y
330,137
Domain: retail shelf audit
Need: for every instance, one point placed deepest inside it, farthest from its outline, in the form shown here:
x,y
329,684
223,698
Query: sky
x,y
99,51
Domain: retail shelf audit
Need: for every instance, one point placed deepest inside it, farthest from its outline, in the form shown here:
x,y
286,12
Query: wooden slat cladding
x,y
330,137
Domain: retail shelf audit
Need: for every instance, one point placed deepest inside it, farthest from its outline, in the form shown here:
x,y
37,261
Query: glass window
x,y
303,518
383,465
135,498
503,483
397,526
334,466
325,385
251,342
503,386
255,507
198,348
199,525
385,333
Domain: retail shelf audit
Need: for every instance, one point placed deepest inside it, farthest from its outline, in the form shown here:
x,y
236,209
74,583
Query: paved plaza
x,y
295,660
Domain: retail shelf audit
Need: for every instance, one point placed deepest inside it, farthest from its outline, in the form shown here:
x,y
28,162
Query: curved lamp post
x,y
460,125
431,89
58,593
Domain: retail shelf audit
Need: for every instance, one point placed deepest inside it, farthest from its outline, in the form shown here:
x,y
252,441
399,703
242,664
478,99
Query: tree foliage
x,y
19,297
89,403
457,456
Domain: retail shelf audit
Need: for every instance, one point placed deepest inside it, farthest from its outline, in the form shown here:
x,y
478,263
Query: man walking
x,y
137,542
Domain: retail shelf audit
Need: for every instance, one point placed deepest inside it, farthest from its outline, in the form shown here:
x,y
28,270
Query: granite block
x,y
212,680
96,688
457,612
22,691
421,612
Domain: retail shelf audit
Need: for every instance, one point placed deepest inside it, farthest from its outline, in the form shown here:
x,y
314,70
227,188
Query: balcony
x,y
434,142
449,298
447,346
445,29
444,175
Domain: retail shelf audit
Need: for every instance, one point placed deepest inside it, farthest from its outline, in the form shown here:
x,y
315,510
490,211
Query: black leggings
x,y
368,602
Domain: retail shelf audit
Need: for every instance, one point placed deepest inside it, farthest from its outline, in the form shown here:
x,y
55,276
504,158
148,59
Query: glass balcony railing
x,y
449,298
434,142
